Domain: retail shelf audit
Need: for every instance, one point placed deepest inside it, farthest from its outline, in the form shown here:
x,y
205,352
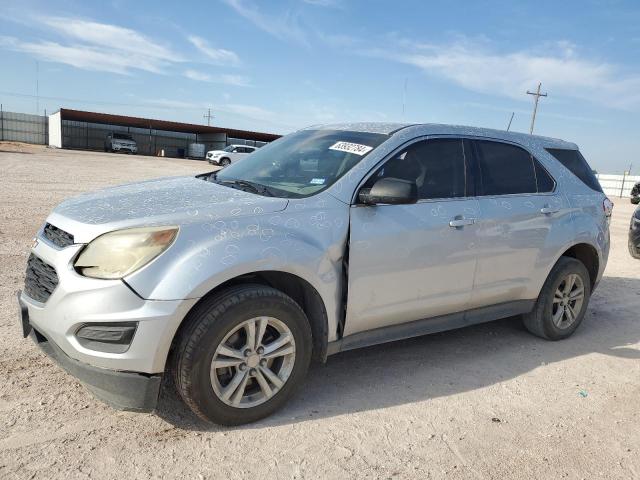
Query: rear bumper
x,y
122,390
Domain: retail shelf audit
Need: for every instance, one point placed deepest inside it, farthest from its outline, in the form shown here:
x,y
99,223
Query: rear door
x,y
410,262
520,214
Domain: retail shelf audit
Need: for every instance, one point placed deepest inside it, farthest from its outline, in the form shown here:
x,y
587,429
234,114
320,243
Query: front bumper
x,y
121,148
122,390
125,380
213,161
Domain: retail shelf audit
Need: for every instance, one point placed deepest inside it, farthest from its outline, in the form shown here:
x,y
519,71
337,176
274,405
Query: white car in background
x,y
229,155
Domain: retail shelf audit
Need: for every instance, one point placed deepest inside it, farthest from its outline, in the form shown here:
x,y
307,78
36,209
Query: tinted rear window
x,y
574,161
505,169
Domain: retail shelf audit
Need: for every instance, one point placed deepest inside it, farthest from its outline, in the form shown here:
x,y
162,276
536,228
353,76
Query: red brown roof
x,y
126,121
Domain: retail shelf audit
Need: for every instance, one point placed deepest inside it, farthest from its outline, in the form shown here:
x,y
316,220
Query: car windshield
x,y
303,163
229,148
122,136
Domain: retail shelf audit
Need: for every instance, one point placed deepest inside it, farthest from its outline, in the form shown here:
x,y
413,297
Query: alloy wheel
x,y
567,301
253,362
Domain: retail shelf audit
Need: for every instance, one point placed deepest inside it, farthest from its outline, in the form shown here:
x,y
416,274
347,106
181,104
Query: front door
x,y
410,262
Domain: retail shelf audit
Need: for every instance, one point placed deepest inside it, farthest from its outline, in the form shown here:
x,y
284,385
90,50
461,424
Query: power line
x,y
536,94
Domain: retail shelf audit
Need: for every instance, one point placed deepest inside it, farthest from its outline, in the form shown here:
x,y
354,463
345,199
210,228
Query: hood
x,y
176,201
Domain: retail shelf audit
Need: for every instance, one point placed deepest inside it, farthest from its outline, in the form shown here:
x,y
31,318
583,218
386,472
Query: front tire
x,y
225,162
242,354
562,302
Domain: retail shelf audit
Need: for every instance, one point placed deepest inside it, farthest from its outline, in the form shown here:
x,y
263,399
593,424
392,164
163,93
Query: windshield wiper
x,y
254,187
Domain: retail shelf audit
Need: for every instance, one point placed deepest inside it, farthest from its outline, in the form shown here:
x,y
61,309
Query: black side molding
x,y
430,325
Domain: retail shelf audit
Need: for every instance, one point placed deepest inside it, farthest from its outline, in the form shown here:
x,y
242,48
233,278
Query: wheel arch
x,y
299,289
588,255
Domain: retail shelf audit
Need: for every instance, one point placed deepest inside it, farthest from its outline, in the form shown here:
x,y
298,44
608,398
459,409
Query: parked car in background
x,y
229,154
635,194
634,234
328,239
120,142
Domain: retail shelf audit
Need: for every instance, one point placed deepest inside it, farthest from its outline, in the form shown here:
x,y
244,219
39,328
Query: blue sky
x,y
277,66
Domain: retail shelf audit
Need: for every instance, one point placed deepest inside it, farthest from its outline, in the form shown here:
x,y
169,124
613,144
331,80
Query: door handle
x,y
549,210
461,222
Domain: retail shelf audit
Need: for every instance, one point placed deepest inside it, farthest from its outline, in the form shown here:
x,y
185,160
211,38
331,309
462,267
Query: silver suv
x,y
329,239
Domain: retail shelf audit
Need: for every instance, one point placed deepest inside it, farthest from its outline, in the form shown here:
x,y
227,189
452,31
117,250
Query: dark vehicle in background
x,y
634,233
120,142
635,194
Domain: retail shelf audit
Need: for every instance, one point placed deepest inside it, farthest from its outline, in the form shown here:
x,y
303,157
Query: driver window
x,y
437,167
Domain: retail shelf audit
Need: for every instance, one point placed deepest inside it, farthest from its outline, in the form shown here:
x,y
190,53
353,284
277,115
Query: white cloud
x,y
111,37
216,55
86,57
323,3
283,25
227,79
249,111
560,70
110,48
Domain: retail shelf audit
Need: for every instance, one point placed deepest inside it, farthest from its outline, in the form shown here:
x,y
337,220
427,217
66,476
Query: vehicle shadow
x,y
442,364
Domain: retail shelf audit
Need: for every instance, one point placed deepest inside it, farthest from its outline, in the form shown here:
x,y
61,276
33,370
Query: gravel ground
x,y
489,401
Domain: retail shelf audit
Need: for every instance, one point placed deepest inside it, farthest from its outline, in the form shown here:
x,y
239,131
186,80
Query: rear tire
x,y
633,250
562,302
217,330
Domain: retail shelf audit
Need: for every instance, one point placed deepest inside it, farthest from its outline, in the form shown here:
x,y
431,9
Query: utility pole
x,y
208,116
37,89
536,94
510,120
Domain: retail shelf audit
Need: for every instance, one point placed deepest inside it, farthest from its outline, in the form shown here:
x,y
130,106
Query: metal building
x,y
78,129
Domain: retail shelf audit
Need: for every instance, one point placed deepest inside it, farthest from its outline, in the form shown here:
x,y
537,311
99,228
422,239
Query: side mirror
x,y
391,191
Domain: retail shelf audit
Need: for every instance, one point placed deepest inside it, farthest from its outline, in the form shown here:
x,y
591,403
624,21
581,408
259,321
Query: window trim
x,y
470,188
478,174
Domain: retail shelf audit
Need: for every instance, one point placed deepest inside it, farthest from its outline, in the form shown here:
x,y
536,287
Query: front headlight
x,y
117,254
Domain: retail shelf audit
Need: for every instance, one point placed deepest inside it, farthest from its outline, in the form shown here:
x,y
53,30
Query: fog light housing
x,y
113,337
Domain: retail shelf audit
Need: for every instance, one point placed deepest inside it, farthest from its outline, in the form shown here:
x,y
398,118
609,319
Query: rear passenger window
x,y
574,161
543,179
505,169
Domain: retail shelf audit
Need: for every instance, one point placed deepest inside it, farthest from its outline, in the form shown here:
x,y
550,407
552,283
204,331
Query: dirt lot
x,y
490,401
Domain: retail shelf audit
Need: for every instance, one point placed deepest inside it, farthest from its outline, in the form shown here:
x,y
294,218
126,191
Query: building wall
x,y
91,136
22,127
55,130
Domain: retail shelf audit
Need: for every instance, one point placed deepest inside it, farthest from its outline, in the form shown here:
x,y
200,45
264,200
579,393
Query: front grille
x,y
57,236
41,279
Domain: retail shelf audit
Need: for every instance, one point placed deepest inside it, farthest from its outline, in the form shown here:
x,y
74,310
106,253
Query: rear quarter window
x,y
575,162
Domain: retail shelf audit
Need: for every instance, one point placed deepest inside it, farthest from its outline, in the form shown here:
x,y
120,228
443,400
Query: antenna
x,y
404,96
536,94
510,120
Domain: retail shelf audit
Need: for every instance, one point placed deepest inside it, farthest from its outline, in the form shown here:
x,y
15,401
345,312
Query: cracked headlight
x,y
117,254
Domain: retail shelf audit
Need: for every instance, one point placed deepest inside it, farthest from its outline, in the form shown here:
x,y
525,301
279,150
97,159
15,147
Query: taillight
x,y
607,206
